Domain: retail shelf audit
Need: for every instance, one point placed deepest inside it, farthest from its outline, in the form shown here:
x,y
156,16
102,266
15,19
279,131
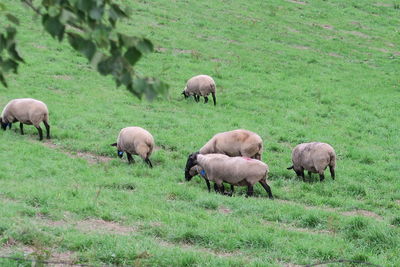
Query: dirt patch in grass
x,y
91,225
383,4
327,26
301,47
224,210
335,55
62,77
161,49
398,201
183,51
98,225
89,157
56,258
293,228
189,247
297,2
359,34
365,213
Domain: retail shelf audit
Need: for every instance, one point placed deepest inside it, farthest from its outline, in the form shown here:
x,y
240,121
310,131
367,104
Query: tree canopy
x,y
90,26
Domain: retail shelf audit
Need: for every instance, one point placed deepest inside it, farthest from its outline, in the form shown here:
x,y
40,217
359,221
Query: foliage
x,y
90,27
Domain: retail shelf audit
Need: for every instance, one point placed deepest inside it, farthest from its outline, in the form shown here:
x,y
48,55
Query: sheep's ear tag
x,y
120,153
203,172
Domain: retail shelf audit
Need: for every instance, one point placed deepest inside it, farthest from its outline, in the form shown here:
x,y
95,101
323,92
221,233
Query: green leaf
x,y
3,80
117,12
3,42
96,13
12,19
132,55
85,5
53,26
8,65
67,16
145,46
54,11
82,45
14,53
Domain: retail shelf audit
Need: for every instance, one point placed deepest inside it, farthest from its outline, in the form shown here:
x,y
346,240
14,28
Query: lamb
x,y
135,141
313,157
200,85
234,143
239,171
26,111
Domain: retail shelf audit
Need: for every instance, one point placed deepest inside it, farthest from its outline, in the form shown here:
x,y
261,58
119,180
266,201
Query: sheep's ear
x,y
115,144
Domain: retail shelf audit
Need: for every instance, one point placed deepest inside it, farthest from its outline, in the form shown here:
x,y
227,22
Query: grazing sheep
x,y
239,171
26,111
194,170
135,141
234,143
313,157
200,85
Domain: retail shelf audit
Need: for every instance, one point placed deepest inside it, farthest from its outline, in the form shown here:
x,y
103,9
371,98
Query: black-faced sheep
x,y
135,141
313,157
200,85
234,143
26,111
239,171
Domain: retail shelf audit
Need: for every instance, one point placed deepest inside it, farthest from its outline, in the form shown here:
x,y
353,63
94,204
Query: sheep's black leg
x,y
309,175
214,100
40,132
196,98
205,99
208,184
301,174
216,189
267,188
9,126
47,129
222,189
321,177
148,162
332,172
130,158
21,128
232,190
250,190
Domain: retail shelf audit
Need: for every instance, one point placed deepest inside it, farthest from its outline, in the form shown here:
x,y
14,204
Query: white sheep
x,y
313,157
239,171
234,143
200,85
26,111
135,141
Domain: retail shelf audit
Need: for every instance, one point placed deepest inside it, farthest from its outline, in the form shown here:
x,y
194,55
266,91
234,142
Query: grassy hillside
x,y
291,71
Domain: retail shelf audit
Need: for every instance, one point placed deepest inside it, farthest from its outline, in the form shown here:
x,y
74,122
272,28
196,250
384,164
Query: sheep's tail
x,y
115,144
213,96
291,167
46,118
332,161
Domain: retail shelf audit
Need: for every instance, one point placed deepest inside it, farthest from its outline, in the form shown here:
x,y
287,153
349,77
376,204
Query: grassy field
x,y
291,71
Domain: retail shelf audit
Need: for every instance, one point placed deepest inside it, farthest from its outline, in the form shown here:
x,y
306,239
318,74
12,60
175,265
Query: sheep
x,y
235,143
239,171
26,111
196,169
200,85
238,142
135,141
313,157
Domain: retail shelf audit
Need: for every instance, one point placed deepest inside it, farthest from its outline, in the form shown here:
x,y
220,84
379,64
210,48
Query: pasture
x,y
291,71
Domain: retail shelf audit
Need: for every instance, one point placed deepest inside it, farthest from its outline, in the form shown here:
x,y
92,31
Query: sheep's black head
x,y
186,95
3,124
191,161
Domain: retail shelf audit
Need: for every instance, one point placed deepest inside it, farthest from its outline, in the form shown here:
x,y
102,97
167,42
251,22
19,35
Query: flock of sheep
x,y
232,157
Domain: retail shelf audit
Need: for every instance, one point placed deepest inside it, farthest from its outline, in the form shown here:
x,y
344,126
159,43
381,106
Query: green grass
x,y
322,71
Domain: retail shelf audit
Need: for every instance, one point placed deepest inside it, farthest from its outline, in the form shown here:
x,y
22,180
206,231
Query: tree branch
x,y
30,4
